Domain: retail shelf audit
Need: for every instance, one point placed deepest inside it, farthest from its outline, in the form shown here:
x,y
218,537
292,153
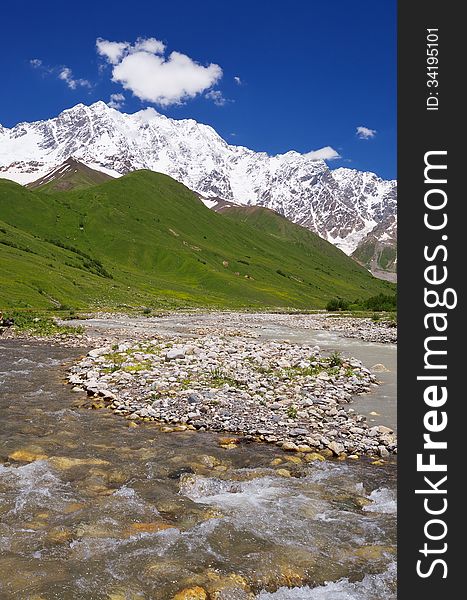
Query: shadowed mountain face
x,y
145,239
70,175
343,206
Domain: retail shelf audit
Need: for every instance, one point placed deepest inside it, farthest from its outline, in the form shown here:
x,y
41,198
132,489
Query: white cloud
x,y
364,133
66,75
116,101
63,73
149,45
237,80
38,64
144,69
111,51
217,97
326,153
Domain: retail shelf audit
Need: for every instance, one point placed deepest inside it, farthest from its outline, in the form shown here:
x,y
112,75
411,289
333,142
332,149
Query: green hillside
x,y
267,220
146,240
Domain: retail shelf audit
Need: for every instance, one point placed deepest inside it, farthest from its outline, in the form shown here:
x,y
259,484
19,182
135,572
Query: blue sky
x,y
272,76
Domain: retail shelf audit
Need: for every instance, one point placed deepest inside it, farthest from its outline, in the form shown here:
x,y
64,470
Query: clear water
x,y
111,512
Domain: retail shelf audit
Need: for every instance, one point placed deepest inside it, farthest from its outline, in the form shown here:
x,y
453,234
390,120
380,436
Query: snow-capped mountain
x,y
343,206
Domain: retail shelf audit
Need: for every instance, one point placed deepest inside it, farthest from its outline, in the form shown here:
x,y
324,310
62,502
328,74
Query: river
x,y
97,510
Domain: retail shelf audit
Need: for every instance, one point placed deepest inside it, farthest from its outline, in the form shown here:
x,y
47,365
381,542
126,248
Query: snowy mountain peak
x,y
341,205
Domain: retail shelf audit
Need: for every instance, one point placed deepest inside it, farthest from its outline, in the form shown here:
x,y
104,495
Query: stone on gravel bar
x,y
175,354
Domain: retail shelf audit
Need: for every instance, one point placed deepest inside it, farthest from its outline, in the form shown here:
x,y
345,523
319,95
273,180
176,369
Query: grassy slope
x,y
374,254
163,247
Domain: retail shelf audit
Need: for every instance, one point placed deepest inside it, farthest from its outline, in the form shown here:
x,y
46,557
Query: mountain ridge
x,y
341,205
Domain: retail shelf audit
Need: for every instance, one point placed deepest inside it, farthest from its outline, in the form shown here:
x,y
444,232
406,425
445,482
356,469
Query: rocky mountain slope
x,y
70,175
344,206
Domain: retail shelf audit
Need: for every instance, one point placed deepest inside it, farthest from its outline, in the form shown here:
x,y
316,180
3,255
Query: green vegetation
x,y
373,253
337,304
387,257
39,324
218,378
332,368
381,302
335,359
125,360
365,252
146,242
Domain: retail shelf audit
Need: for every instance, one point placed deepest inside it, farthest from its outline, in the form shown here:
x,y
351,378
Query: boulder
x,y
336,448
192,593
175,354
289,447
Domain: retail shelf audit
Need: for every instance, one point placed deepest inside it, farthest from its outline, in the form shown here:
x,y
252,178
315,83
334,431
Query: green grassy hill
x,y
146,240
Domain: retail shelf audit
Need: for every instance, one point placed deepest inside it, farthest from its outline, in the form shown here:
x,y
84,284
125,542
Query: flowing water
x,y
92,509
380,407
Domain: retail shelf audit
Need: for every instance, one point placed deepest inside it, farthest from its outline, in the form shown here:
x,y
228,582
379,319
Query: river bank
x,y
381,331
100,324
